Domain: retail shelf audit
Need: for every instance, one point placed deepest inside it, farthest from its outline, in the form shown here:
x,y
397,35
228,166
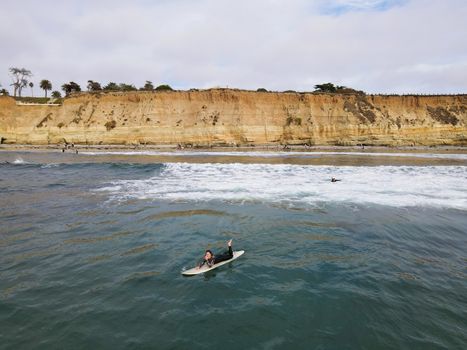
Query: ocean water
x,y
93,245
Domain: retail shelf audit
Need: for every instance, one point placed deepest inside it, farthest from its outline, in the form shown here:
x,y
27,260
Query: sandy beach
x,y
278,148
299,155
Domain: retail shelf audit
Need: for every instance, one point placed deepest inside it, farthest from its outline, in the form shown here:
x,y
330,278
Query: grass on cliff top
x,y
42,100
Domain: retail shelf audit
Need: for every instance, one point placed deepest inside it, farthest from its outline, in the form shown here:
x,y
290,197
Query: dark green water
x,y
92,251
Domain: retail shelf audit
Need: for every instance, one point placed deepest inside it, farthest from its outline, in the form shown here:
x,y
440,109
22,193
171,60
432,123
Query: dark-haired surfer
x,y
210,259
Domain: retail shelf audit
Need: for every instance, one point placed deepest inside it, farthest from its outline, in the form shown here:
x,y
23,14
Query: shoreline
x,y
260,148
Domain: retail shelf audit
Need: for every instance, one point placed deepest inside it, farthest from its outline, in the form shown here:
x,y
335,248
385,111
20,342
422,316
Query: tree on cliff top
x,y
111,87
71,87
148,86
327,87
127,87
45,85
164,87
331,88
94,86
56,94
20,79
3,92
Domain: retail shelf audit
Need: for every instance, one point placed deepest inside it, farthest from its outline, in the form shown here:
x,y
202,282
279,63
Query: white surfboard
x,y
206,268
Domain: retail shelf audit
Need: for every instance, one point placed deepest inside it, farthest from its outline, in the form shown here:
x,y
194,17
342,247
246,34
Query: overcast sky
x,y
400,46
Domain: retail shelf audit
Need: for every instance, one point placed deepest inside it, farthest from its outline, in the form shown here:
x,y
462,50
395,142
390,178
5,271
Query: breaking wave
x,y
399,186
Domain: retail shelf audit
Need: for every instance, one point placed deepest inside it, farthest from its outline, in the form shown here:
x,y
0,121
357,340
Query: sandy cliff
x,y
233,117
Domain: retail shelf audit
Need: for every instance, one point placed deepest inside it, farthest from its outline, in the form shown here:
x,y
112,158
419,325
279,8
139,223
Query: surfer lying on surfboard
x,y
210,259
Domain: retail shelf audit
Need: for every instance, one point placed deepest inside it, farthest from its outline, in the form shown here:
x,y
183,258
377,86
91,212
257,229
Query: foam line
x,y
279,154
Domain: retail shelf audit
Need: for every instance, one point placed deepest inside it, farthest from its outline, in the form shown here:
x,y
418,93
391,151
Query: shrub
x,y
111,87
32,99
331,88
110,125
127,87
294,121
164,87
442,115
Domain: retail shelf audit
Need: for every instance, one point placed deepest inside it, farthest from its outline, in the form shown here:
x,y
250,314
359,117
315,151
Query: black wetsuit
x,y
218,258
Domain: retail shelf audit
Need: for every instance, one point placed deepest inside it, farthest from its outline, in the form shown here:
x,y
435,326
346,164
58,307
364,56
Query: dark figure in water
x,y
63,150
335,180
210,259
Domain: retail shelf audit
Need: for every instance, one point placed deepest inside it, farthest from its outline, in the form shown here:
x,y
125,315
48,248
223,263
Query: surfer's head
x,y
208,255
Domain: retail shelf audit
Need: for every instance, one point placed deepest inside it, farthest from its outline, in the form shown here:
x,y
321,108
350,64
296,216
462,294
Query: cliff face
x,y
233,117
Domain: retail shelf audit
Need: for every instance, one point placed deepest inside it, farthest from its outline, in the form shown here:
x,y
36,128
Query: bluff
x,y
235,117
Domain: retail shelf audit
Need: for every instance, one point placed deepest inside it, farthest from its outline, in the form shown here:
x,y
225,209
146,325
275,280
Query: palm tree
x,y
46,85
31,85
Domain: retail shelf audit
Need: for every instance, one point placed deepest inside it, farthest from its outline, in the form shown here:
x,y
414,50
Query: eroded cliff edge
x,y
235,117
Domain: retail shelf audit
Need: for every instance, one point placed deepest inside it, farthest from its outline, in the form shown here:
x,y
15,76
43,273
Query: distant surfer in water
x,y
335,180
210,259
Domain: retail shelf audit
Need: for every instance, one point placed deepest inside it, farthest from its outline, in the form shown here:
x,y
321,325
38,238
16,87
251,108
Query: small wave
x,y
19,160
140,249
97,239
50,165
55,185
124,166
181,213
141,275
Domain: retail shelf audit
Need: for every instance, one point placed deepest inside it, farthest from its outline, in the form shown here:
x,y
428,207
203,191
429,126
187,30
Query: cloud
x,y
372,45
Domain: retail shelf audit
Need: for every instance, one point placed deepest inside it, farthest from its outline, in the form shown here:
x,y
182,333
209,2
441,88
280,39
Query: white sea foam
x,y
269,154
50,165
19,160
441,186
